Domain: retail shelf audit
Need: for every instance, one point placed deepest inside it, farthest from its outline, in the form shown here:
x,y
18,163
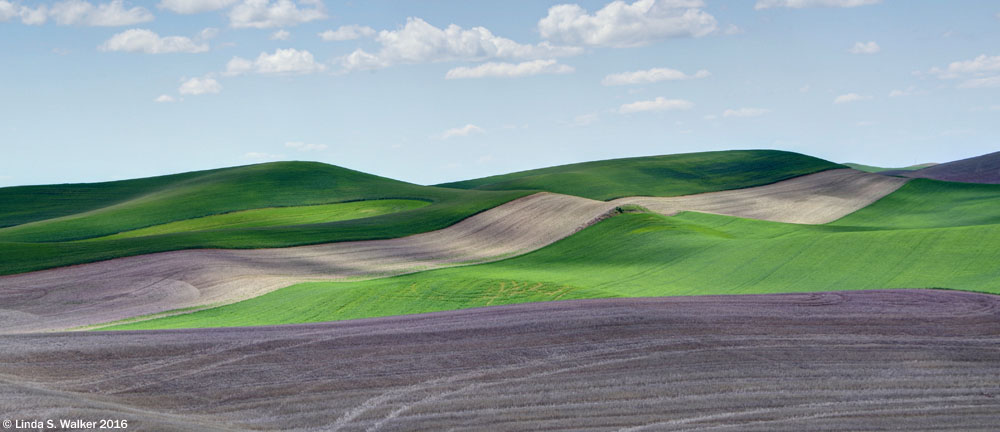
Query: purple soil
x,y
875,360
979,169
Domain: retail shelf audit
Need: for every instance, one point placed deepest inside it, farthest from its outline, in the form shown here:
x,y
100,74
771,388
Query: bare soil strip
x,y
813,199
874,360
979,169
102,292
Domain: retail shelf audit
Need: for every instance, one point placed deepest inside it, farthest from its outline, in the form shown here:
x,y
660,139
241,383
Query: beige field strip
x,y
90,294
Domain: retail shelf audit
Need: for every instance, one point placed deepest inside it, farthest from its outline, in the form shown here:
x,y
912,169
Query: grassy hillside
x,y
875,169
670,175
922,236
51,242
279,216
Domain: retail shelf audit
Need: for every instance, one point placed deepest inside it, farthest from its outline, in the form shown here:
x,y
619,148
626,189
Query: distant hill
x,y
875,169
979,169
669,175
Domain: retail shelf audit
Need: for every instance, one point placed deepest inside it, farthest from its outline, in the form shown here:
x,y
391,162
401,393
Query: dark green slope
x,y
669,175
52,242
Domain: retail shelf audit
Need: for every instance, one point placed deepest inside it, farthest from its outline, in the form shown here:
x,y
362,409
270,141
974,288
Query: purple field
x,y
877,360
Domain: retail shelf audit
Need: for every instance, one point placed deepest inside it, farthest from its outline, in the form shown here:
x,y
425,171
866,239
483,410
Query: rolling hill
x,y
670,175
876,169
979,169
47,222
921,236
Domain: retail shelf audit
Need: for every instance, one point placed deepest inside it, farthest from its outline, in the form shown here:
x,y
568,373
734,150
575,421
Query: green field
x,y
279,216
928,234
45,223
670,175
876,169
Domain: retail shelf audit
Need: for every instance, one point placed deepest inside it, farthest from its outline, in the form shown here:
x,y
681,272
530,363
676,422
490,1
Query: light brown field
x,y
877,360
123,288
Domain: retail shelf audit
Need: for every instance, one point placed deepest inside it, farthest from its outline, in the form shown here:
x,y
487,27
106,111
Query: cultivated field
x,y
149,284
879,360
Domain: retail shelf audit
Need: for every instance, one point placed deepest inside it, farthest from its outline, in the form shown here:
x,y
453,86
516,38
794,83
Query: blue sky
x,y
434,91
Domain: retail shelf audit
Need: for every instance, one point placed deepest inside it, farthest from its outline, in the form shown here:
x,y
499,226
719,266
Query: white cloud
x,y
199,86
466,130
993,81
301,146
262,155
619,24
799,4
76,12
194,6
7,10
281,35
509,70
420,42
79,12
982,71
277,13
651,76
745,112
865,48
283,61
164,98
850,97
209,33
658,104
142,40
909,91
348,32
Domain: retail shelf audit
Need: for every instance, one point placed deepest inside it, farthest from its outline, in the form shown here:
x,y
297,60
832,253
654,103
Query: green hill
x,y
875,169
150,203
927,234
670,175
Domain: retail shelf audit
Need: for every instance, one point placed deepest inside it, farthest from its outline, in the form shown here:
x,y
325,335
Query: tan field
x,y
90,294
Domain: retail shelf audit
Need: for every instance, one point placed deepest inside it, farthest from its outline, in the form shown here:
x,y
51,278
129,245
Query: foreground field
x,y
879,360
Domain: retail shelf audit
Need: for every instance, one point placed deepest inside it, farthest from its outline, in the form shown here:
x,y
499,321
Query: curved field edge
x,y
669,175
278,216
645,255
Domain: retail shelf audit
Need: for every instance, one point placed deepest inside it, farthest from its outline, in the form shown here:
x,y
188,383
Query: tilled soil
x,y
867,360
122,288
813,199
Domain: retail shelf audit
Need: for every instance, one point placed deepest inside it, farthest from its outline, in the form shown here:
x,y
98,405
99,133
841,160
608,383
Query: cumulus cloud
x,y
745,112
194,6
277,13
347,32
420,42
850,97
164,98
658,104
865,48
76,12
509,70
799,4
651,76
466,130
199,86
142,40
982,71
301,146
79,12
282,61
619,24
281,35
